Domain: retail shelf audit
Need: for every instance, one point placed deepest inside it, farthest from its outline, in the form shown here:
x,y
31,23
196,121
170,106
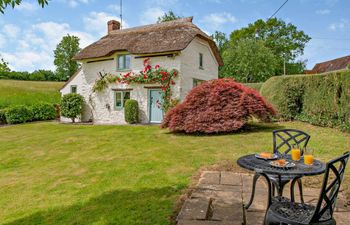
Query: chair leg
x,y
301,190
300,185
255,179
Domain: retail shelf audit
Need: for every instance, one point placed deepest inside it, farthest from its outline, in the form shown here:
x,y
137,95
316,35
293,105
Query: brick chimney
x,y
113,25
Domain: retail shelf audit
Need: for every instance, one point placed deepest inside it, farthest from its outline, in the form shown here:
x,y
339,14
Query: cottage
x,y
331,65
177,44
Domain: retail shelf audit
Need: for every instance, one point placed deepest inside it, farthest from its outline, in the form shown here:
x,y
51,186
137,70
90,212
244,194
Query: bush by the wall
x,y
2,116
322,99
43,111
131,111
18,114
72,106
221,105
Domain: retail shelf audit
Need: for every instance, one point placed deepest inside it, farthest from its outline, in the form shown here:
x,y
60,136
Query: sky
x,y
29,33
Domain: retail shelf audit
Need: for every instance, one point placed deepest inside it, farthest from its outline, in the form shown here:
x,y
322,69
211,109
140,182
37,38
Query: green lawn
x,y
16,92
79,174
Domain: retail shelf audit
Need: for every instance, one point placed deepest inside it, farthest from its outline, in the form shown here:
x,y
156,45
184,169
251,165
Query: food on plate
x,y
266,155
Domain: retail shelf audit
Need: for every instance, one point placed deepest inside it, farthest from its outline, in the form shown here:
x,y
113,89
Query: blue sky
x,y
29,34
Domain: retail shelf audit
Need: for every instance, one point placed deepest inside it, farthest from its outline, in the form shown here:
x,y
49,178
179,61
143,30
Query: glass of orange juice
x,y
308,156
296,153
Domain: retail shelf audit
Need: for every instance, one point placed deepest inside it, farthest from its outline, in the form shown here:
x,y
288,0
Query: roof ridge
x,y
154,25
343,57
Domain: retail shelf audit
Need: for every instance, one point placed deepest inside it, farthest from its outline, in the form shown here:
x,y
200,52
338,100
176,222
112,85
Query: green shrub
x,y
2,116
72,105
43,111
18,114
255,86
322,99
131,111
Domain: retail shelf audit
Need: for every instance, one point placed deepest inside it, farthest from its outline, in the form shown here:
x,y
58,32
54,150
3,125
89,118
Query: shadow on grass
x,y
249,128
146,206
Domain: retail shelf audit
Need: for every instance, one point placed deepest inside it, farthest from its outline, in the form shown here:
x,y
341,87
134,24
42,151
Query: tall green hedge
x,y
322,99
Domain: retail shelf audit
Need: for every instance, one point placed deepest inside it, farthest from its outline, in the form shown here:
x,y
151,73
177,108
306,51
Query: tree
x,y
169,16
220,40
72,106
248,61
285,40
64,52
4,66
14,3
220,105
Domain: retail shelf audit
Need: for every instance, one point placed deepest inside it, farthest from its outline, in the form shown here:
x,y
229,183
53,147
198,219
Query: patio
x,y
218,197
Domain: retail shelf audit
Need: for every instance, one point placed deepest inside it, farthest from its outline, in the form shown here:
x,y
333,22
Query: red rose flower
x,y
156,67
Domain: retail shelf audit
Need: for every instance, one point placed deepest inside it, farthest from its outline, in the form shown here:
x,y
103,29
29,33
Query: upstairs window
x,y
200,61
73,89
120,99
123,62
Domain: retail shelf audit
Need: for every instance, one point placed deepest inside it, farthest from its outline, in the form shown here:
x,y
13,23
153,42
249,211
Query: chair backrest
x,y
333,177
284,139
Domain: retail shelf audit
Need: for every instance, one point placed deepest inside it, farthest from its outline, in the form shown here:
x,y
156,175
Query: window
x,y
200,61
120,99
73,89
197,82
123,62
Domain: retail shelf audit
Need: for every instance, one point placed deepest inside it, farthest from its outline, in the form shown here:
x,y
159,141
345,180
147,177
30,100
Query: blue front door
x,y
156,101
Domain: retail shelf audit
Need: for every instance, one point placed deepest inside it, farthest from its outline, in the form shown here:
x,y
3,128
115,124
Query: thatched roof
x,y
155,38
332,65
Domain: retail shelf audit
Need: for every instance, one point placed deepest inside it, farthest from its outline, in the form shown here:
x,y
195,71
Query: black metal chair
x,y
283,141
287,212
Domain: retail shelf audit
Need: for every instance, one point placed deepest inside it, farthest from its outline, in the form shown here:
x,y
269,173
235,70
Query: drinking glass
x,y
308,156
296,153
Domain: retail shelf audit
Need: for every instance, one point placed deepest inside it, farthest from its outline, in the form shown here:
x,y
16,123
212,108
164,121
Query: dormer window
x,y
124,62
201,61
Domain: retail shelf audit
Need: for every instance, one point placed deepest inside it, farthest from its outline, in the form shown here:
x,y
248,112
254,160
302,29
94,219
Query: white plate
x,y
274,156
287,166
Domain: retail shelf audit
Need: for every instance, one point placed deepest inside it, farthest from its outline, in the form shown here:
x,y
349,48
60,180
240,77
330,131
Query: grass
x,y
79,174
15,92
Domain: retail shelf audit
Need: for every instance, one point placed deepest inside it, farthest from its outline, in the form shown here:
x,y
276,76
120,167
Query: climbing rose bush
x,y
220,105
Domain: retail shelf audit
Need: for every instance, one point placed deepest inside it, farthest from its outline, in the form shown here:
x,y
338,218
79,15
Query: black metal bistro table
x,y
264,168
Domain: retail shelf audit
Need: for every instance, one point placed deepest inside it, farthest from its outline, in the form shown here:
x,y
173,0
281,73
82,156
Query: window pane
x,y
200,60
127,62
121,62
73,89
126,96
118,99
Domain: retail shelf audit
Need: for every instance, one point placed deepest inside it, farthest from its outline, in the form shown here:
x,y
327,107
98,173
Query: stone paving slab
x,y
218,199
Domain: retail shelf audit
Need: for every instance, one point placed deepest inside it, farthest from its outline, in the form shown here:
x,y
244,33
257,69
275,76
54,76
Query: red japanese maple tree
x,y
220,105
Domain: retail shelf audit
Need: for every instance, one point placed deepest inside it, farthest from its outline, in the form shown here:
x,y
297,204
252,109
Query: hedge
x,y
322,99
72,105
131,111
2,116
23,113
255,86
18,114
43,111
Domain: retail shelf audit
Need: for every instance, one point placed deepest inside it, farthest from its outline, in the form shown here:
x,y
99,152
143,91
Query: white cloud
x,y
216,20
27,6
97,22
114,8
341,25
35,47
151,15
11,30
323,11
163,2
75,3
28,60
2,40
